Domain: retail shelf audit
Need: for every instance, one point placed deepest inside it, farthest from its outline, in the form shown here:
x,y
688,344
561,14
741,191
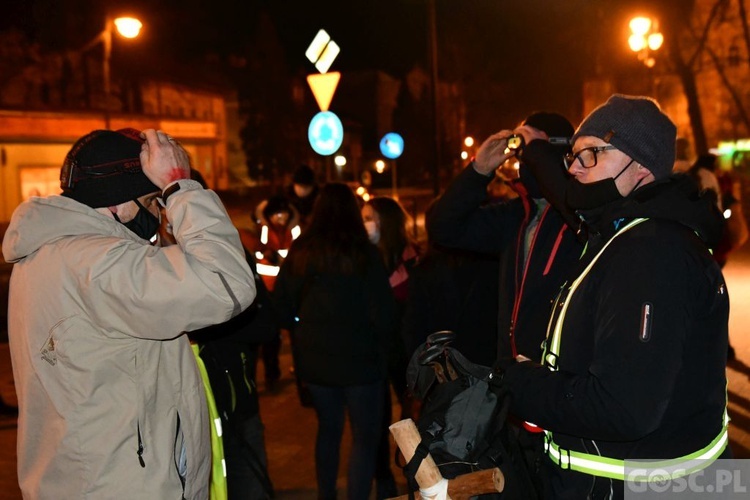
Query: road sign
x,y
322,51
392,145
323,87
326,133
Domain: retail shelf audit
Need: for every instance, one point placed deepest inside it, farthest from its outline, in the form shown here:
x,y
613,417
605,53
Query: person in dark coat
x,y
536,247
333,291
536,244
634,365
230,354
303,192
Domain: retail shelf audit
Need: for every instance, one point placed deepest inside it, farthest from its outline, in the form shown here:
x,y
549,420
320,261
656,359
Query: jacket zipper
x,y
140,447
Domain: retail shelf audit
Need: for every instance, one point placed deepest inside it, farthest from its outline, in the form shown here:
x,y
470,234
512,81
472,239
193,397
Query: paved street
x,y
290,428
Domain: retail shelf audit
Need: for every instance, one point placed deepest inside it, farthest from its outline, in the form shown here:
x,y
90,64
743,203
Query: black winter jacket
x,y
459,220
341,323
627,386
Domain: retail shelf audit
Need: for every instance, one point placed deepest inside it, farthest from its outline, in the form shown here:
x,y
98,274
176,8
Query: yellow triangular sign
x,y
323,87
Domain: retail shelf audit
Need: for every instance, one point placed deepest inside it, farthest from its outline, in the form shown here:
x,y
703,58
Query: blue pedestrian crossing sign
x,y
392,145
326,133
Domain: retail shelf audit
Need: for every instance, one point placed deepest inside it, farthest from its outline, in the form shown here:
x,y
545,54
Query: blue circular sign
x,y
326,133
392,145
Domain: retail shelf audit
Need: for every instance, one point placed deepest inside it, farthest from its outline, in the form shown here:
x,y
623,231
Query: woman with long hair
x,y
386,223
333,292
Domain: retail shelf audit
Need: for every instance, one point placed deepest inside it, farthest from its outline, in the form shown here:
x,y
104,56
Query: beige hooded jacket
x,y
110,398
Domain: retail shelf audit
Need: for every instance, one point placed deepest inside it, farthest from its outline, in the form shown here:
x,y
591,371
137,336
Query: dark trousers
x,y
365,406
247,467
269,352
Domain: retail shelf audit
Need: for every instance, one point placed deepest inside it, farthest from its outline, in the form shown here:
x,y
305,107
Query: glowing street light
x,y
645,38
469,141
380,166
128,27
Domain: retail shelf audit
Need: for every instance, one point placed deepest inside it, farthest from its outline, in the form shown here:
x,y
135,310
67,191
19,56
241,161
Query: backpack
x,y
463,420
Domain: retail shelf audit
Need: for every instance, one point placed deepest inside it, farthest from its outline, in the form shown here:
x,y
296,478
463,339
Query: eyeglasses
x,y
586,156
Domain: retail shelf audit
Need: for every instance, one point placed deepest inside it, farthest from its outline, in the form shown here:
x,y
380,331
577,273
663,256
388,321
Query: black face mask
x,y
144,224
580,196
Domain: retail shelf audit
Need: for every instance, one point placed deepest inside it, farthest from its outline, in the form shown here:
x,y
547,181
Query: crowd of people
x,y
138,312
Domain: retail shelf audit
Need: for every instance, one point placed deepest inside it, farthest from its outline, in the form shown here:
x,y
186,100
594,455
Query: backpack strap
x,y
410,469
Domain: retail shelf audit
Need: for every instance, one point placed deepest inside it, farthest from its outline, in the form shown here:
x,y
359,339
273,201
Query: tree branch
x,y
745,30
732,91
701,41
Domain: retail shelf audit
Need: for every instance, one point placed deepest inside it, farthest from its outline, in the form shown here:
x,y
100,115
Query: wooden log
x,y
465,486
407,439
462,487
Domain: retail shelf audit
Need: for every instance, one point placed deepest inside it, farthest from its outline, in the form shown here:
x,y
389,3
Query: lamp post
x,y
434,84
128,27
645,38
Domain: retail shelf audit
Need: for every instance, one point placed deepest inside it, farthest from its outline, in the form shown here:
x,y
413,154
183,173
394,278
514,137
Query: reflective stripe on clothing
x,y
218,484
613,468
266,270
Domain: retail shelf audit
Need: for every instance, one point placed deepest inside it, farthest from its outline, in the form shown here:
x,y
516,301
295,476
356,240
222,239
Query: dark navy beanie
x,y
636,126
103,169
552,124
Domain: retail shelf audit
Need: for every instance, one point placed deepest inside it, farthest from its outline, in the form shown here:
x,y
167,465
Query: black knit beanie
x,y
103,169
552,124
636,126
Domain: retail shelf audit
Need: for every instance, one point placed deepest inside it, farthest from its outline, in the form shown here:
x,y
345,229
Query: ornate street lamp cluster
x,y
645,38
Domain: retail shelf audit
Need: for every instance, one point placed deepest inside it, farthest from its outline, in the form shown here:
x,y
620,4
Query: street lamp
x,y
645,38
128,27
469,144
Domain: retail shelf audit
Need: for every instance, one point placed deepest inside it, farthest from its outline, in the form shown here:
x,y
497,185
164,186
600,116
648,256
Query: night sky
x,y
547,47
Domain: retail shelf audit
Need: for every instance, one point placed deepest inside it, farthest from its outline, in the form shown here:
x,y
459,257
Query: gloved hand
x,y
498,372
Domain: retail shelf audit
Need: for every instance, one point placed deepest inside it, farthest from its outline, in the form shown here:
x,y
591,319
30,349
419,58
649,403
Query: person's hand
x,y
492,153
521,358
163,160
530,133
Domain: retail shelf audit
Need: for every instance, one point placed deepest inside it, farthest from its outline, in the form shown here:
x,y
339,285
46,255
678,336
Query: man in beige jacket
x,y
111,403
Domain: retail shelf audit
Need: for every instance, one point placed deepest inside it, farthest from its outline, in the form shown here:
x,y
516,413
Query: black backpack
x,y
463,421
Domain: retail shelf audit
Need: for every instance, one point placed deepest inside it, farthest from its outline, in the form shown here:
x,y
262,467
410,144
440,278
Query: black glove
x,y
498,372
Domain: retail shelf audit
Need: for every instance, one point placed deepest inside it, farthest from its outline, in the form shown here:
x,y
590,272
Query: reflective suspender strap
x,y
218,481
553,347
613,468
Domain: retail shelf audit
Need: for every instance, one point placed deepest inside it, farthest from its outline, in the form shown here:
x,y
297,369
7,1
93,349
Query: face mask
x,y
144,224
372,231
580,196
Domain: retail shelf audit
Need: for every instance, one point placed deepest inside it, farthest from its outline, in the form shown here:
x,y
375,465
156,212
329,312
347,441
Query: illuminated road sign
x,y
326,133
392,145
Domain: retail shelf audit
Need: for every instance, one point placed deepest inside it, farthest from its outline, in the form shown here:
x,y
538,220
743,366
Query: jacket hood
x,y
39,221
677,198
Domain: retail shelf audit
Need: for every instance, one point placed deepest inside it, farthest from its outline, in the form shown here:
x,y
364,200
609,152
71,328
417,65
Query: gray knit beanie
x,y
636,126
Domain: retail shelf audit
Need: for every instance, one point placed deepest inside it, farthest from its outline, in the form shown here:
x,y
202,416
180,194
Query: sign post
x,y
392,146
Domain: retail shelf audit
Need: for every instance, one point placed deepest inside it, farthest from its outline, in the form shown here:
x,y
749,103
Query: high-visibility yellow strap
x,y
218,482
613,468
553,352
